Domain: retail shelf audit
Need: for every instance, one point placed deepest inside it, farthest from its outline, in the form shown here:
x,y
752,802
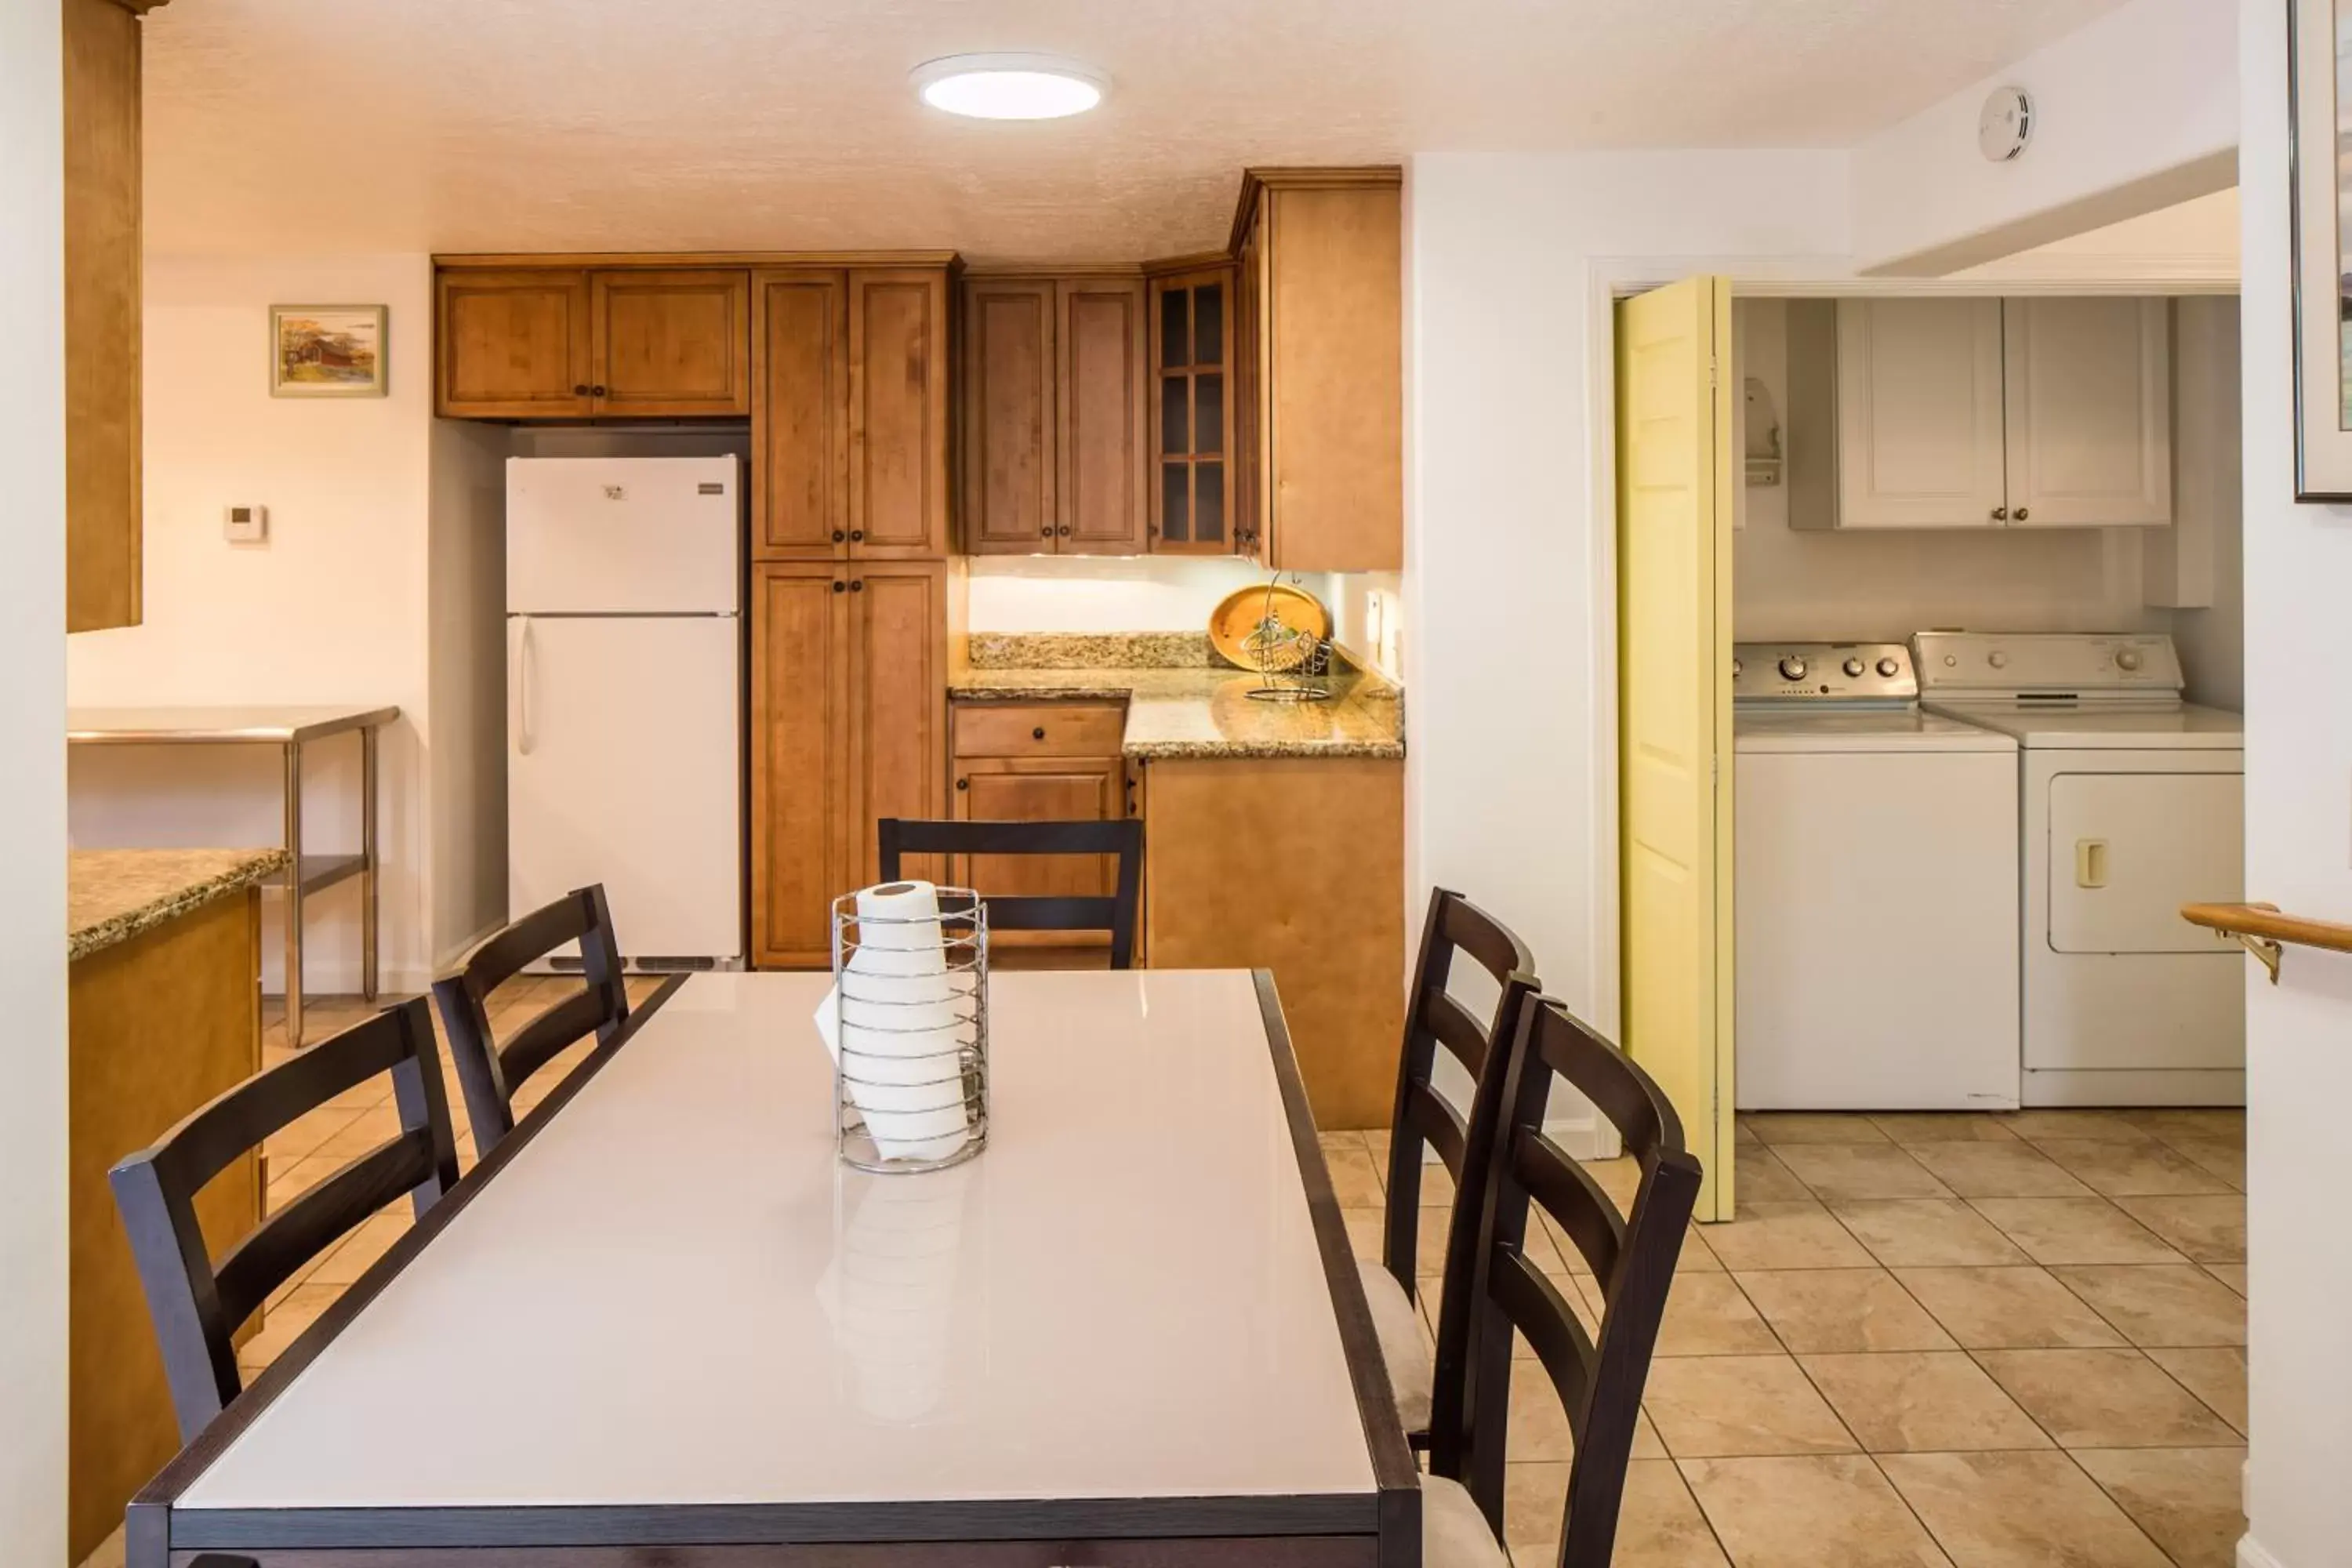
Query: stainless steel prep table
x,y
289,728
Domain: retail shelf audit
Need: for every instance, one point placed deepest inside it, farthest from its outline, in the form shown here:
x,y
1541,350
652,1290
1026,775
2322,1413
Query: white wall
x,y
1510,577
1103,594
2137,110
1880,586
332,609
2298,565
32,796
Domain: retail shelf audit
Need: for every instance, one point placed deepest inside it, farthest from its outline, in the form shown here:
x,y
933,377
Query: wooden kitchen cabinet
x,y
1010,416
514,344
1980,413
800,414
671,345
1296,864
570,343
1191,418
1048,761
1056,398
848,726
100,83
1322,386
898,436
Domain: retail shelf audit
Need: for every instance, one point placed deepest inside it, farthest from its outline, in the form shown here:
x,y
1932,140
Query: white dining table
x,y
662,1323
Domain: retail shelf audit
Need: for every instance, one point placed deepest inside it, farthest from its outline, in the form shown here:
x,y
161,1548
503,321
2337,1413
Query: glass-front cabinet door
x,y
1191,412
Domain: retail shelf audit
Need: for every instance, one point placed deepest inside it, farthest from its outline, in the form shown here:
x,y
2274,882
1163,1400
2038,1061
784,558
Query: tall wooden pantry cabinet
x,y
848,595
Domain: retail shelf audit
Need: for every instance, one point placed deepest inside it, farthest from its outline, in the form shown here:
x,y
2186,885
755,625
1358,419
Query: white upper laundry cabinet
x,y
1980,413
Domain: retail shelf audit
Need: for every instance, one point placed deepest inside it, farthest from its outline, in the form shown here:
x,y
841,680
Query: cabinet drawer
x,y
1039,730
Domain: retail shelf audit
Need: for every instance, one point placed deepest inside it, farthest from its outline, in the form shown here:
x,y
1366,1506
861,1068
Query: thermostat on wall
x,y
246,524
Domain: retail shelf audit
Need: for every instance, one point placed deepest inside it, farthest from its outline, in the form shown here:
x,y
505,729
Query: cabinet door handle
x,y
1064,530
581,390
838,536
2000,515
839,587
857,586
1038,733
1047,532
596,391
856,536
963,784
2020,515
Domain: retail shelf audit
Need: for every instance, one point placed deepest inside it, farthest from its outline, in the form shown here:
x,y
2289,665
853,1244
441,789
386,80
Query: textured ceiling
x,y
349,125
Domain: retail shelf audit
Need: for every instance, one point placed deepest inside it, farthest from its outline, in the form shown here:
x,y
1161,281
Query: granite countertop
x,y
1178,705
112,895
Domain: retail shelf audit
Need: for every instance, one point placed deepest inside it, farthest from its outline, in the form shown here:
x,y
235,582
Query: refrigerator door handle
x,y
523,686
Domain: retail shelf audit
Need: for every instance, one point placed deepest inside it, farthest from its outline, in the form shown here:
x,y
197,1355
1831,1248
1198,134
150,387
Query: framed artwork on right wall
x,y
2319,98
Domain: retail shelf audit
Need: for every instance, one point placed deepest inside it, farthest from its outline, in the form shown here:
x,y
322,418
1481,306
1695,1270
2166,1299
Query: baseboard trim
x,y
2252,1554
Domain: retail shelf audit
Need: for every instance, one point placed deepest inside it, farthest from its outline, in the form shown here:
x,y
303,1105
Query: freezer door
x,y
623,767
623,535
2127,850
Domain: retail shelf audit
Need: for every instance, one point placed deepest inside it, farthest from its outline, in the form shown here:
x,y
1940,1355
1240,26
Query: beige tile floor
x,y
1953,1341
1986,1341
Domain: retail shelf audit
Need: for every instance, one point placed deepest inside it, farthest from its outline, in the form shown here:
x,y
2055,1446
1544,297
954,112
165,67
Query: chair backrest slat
x,y
1422,1118
197,1307
1115,913
1599,1376
489,1076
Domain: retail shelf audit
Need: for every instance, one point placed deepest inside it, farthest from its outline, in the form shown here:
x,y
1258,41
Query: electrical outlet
x,y
246,524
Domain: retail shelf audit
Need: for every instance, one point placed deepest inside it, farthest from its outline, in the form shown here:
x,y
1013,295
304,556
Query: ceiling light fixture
x,y
1009,86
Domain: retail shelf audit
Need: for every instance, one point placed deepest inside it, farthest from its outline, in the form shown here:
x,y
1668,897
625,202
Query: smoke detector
x,y
2006,124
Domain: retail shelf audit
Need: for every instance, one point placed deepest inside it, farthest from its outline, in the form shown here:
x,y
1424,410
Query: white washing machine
x,y
2131,804
1874,868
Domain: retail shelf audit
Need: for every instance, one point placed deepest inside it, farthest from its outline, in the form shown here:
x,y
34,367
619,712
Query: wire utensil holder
x,y
910,1073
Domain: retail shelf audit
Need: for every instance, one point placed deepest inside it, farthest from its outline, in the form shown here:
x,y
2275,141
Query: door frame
x,y
1609,279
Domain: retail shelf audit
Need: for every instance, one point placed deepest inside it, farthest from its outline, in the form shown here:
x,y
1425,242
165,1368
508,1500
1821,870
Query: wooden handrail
x,y
2266,933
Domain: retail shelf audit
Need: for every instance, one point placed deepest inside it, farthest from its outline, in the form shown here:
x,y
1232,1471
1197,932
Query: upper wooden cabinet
x,y
850,413
800,414
670,344
514,346
899,412
102,316
1980,413
1323,389
1009,416
1192,393
558,343
1054,403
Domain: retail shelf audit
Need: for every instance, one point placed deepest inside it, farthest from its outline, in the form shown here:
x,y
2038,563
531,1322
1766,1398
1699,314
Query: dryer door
x,y
2127,850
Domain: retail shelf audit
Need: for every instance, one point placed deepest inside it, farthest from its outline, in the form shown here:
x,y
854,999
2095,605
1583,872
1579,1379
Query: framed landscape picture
x,y
327,351
2319,93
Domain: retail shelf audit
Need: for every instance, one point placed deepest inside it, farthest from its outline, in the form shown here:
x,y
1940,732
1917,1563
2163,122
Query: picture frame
x,y
2319,104
328,351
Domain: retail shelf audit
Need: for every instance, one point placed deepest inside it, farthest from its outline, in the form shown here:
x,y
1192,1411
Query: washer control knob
x,y
1854,667
1998,659
1887,667
2126,658
1793,668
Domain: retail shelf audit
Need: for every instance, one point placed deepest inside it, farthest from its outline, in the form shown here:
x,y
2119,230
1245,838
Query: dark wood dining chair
x,y
1115,914
198,1306
1597,1375
1424,1120
490,1074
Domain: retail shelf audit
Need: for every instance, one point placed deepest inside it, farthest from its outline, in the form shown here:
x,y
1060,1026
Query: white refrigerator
x,y
624,697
